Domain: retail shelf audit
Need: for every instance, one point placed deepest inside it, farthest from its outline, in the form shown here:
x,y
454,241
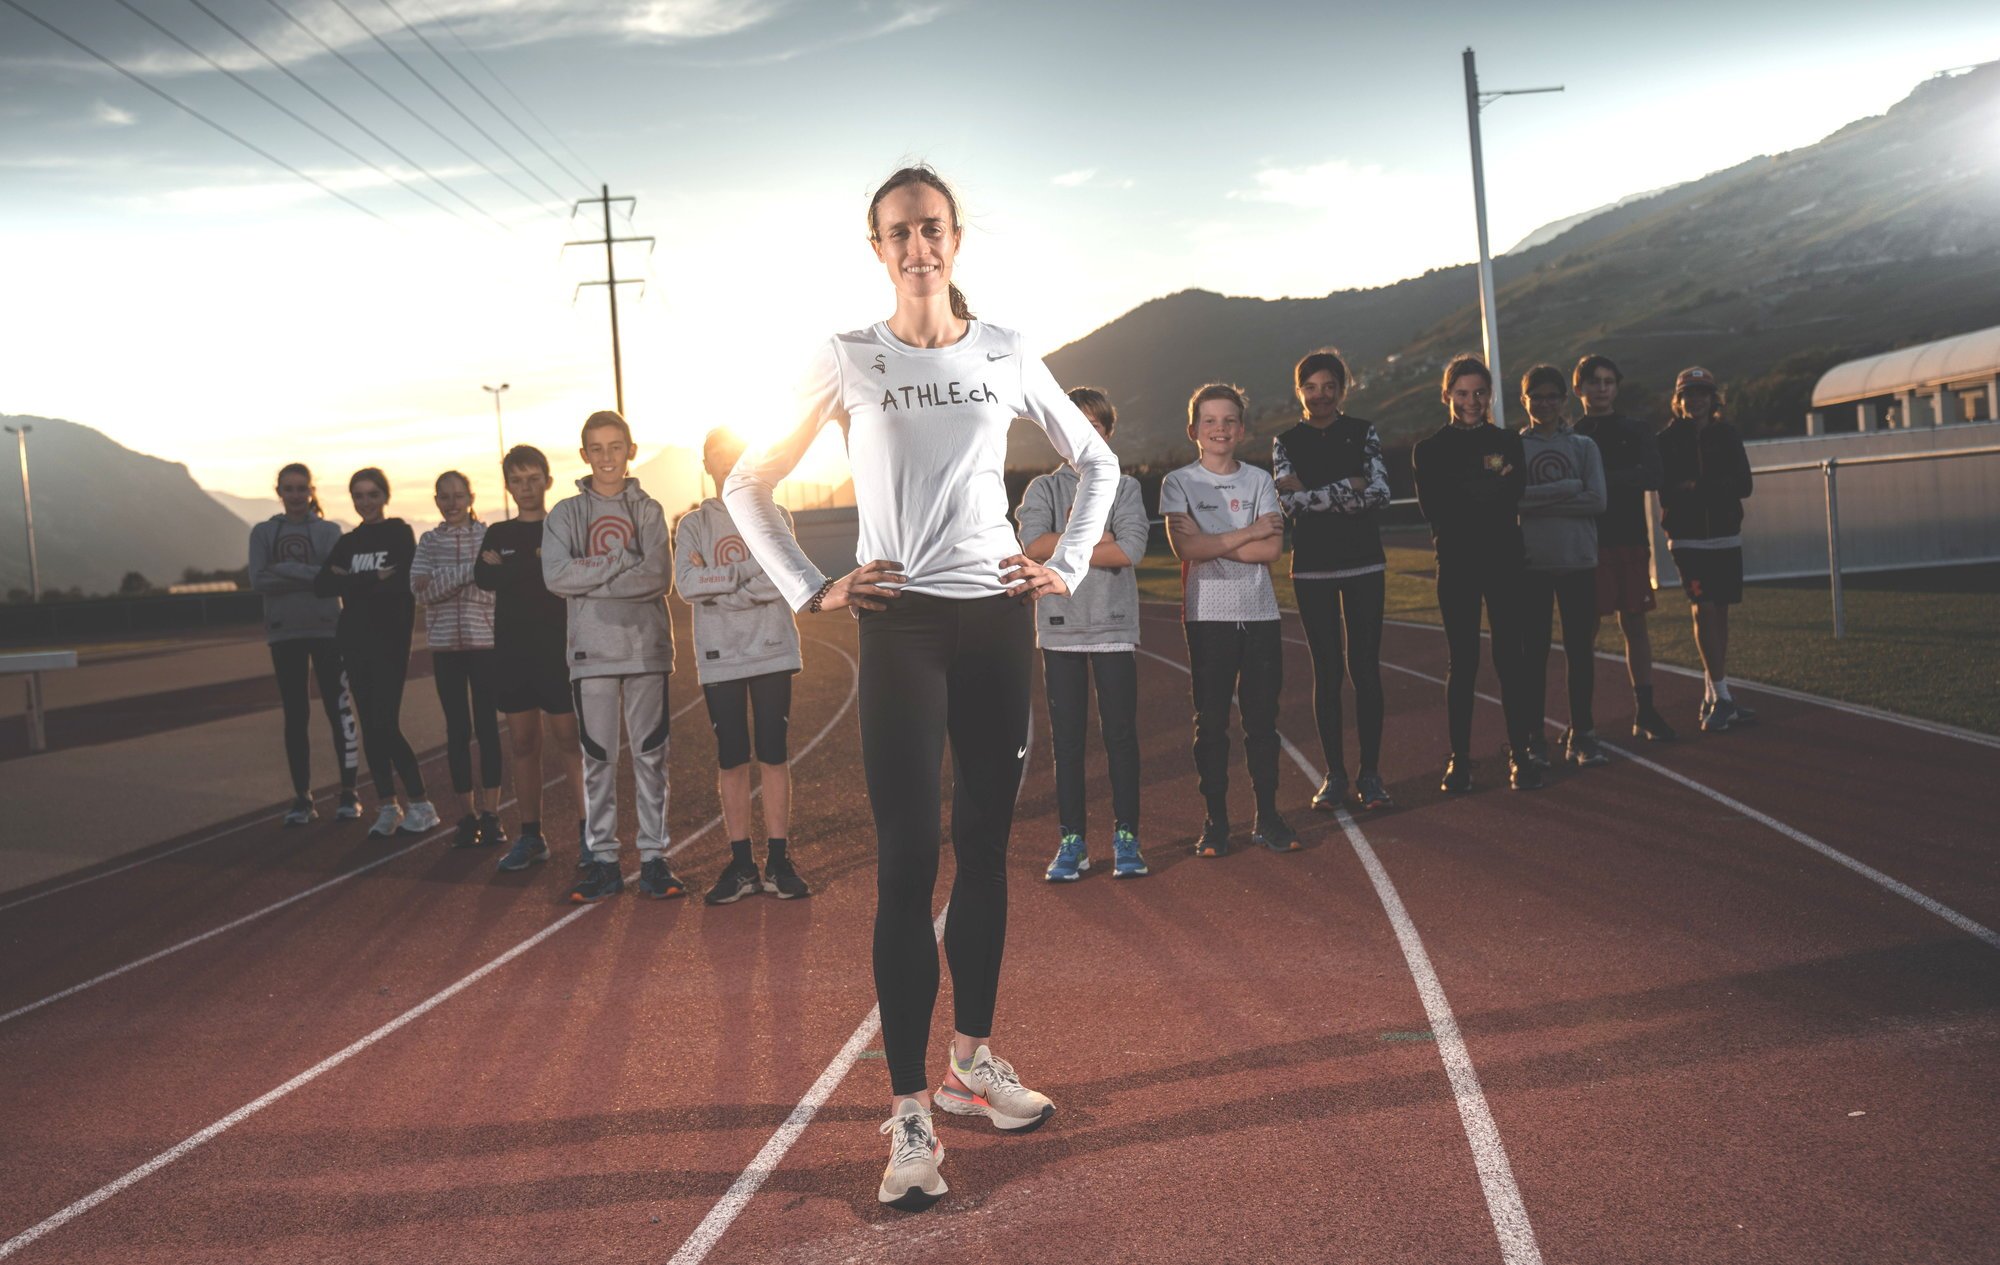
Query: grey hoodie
x,y
1106,607
285,558
608,555
742,625
1565,494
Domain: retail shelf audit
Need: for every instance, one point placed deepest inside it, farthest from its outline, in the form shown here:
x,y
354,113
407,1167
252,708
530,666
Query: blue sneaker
x,y
1126,861
1070,863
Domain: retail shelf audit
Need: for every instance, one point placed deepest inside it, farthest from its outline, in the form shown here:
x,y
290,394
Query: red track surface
x,y
1674,1011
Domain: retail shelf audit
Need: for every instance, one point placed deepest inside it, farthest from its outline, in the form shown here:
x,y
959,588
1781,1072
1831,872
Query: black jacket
x,y
525,613
1712,458
373,608
1631,469
1333,526
1473,509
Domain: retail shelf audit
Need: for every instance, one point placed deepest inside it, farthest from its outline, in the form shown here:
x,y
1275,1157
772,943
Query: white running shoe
x,y
912,1181
301,812
350,807
994,1091
386,821
420,818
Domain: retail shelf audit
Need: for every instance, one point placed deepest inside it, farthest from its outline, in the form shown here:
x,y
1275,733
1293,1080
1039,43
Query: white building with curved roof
x,y
1942,383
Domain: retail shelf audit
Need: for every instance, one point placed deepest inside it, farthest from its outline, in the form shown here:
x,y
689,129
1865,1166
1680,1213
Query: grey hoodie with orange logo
x,y
609,557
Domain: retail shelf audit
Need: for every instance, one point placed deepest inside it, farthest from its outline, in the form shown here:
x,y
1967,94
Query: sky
x,y
197,301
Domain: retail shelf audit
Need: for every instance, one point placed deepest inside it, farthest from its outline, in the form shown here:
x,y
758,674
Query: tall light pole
x,y
37,739
500,435
1489,312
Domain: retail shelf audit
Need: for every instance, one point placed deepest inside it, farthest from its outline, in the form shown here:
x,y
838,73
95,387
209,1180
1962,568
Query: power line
x,y
490,102
168,97
335,107
406,107
495,75
425,81
294,114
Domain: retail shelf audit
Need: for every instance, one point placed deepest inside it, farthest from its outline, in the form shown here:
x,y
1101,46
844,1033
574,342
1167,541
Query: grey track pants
x,y
641,702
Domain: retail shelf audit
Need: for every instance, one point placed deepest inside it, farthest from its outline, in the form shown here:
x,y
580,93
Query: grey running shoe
x,y
529,849
387,820
1332,791
912,1181
420,818
1536,749
1583,750
350,807
990,1088
301,812
1720,717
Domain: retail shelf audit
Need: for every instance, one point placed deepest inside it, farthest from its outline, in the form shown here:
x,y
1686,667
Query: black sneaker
x,y
1371,793
782,881
491,832
1653,727
600,879
1523,774
657,882
1272,831
737,880
529,849
1214,841
1536,748
1331,792
1583,750
467,833
1457,776
350,807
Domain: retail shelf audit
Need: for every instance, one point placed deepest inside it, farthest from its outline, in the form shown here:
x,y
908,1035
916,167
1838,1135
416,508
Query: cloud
x,y
111,116
907,16
1088,176
694,19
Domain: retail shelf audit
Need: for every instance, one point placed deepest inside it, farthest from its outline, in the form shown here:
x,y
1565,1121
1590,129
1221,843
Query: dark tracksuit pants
x,y
1463,585
377,665
1352,604
1067,675
319,657
465,683
1245,662
1574,593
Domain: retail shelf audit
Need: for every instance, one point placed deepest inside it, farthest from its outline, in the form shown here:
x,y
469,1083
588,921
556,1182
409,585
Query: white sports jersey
x,y
927,439
1222,588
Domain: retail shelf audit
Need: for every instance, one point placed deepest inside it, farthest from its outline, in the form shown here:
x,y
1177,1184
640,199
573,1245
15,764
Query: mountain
x,y
102,510
1549,232
251,509
1881,235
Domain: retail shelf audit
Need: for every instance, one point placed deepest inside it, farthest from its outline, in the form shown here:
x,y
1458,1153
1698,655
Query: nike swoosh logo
x,y
1022,754
998,355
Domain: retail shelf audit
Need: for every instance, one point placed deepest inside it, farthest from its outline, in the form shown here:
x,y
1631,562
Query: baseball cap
x,y
1695,376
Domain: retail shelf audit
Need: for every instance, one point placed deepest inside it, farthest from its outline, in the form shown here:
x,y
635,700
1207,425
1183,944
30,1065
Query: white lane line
x,y
1939,728
234,1118
734,1200
1970,926
1489,1157
271,908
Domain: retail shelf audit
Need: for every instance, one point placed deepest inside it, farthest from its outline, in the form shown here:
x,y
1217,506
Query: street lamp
x,y
1489,312
500,435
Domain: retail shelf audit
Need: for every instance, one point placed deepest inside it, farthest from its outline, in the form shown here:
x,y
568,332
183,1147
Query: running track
x,y
1633,1017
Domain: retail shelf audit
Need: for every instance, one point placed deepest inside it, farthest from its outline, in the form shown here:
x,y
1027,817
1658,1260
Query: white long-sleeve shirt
x,y
927,439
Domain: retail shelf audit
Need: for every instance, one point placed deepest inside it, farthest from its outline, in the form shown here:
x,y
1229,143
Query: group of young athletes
x,y
557,619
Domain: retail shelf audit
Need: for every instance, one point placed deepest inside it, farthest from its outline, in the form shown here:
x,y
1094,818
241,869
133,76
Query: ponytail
x,y
959,307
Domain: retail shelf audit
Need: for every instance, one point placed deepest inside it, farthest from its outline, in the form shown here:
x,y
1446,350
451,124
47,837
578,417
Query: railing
x,y
1831,468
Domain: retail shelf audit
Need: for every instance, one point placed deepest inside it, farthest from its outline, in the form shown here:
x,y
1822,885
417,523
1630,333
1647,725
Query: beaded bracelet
x,y
817,598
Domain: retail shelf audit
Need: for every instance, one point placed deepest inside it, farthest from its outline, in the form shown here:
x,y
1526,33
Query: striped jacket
x,y
458,614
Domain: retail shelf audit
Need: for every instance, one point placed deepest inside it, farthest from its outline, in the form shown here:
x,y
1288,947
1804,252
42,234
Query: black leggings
x,y
1575,594
933,667
1326,606
1067,675
1461,587
1246,662
730,705
464,680
375,672
294,661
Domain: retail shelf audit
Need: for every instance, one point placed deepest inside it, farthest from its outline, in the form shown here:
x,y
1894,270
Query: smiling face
x,y
916,238
369,499
1696,403
295,490
1468,395
609,455
1321,395
1217,428
1545,404
454,500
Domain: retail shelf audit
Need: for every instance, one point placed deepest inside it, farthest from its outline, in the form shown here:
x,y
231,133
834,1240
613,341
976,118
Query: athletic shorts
x,y
1711,575
1624,579
730,704
531,677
